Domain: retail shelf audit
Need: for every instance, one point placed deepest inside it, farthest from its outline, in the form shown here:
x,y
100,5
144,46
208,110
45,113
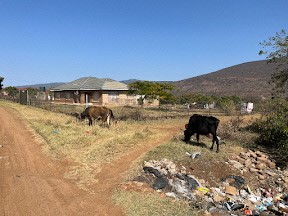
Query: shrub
x,y
273,130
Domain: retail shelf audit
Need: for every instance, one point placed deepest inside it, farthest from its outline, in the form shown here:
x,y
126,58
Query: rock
x,y
245,170
260,166
253,169
217,198
200,194
262,159
231,190
248,162
261,177
244,155
271,164
202,181
261,154
240,160
270,173
252,154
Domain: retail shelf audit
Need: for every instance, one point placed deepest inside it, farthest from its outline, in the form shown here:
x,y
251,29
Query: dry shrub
x,y
230,127
235,130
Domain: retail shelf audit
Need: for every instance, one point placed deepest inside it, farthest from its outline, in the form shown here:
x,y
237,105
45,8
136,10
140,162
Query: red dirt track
x,y
31,183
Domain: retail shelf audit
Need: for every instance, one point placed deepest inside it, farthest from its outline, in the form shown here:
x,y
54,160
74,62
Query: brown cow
x,y
97,112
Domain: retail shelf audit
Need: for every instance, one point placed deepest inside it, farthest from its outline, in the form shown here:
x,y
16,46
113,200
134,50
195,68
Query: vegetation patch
x,y
137,204
87,147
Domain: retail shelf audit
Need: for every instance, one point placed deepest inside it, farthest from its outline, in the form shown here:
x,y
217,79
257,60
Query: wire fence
x,y
120,112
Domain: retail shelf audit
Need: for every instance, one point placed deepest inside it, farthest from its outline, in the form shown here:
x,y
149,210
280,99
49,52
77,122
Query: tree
x,y
276,51
11,91
151,90
1,80
273,129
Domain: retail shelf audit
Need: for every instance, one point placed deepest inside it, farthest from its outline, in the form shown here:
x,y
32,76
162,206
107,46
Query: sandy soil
x,y
33,184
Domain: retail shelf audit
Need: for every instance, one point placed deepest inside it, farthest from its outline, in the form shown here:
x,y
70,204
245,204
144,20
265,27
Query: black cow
x,y
203,125
97,112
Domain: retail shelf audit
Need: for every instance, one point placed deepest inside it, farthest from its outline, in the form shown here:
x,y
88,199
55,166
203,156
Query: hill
x,y
37,86
247,80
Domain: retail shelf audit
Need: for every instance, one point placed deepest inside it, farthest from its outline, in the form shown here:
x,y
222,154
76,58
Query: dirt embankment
x,y
33,184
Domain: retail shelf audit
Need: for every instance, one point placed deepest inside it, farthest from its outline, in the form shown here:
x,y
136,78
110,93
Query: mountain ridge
x,y
248,79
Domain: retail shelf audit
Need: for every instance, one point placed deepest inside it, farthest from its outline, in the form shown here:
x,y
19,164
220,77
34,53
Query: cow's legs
x,y
215,139
197,137
108,120
90,121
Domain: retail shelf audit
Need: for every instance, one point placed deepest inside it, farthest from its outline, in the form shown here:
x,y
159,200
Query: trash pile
x,y
232,196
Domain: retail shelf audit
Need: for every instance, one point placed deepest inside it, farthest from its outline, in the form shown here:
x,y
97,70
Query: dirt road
x,y
33,184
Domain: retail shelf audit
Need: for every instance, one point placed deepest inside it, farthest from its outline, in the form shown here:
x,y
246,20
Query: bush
x,y
273,130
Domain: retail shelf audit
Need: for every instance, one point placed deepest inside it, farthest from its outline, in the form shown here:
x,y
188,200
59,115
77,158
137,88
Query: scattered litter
x,y
160,183
194,154
232,195
56,131
237,182
171,194
191,181
153,171
203,189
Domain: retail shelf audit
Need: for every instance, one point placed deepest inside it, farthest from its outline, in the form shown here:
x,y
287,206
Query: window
x,y
96,96
112,97
57,95
67,95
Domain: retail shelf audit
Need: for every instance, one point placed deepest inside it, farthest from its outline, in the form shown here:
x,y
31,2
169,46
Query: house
x,y
94,91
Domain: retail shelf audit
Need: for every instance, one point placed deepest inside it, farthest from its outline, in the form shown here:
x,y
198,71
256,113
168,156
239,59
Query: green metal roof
x,y
92,83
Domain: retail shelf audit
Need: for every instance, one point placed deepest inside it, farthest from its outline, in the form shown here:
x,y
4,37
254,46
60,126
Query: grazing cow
x,y
203,125
97,112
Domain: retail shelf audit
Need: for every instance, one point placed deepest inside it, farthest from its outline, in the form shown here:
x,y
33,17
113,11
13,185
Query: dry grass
x,y
87,148
64,138
139,204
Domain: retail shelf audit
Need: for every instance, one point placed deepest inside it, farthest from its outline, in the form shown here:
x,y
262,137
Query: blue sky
x,y
44,41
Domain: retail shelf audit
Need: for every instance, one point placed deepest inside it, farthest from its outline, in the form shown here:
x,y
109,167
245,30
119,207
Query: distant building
x,y
247,108
95,91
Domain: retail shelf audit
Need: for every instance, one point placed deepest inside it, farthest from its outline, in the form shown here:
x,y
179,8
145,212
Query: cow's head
x,y
81,116
187,135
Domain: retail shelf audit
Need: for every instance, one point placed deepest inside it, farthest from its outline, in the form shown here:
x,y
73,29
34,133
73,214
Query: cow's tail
x,y
110,117
111,114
